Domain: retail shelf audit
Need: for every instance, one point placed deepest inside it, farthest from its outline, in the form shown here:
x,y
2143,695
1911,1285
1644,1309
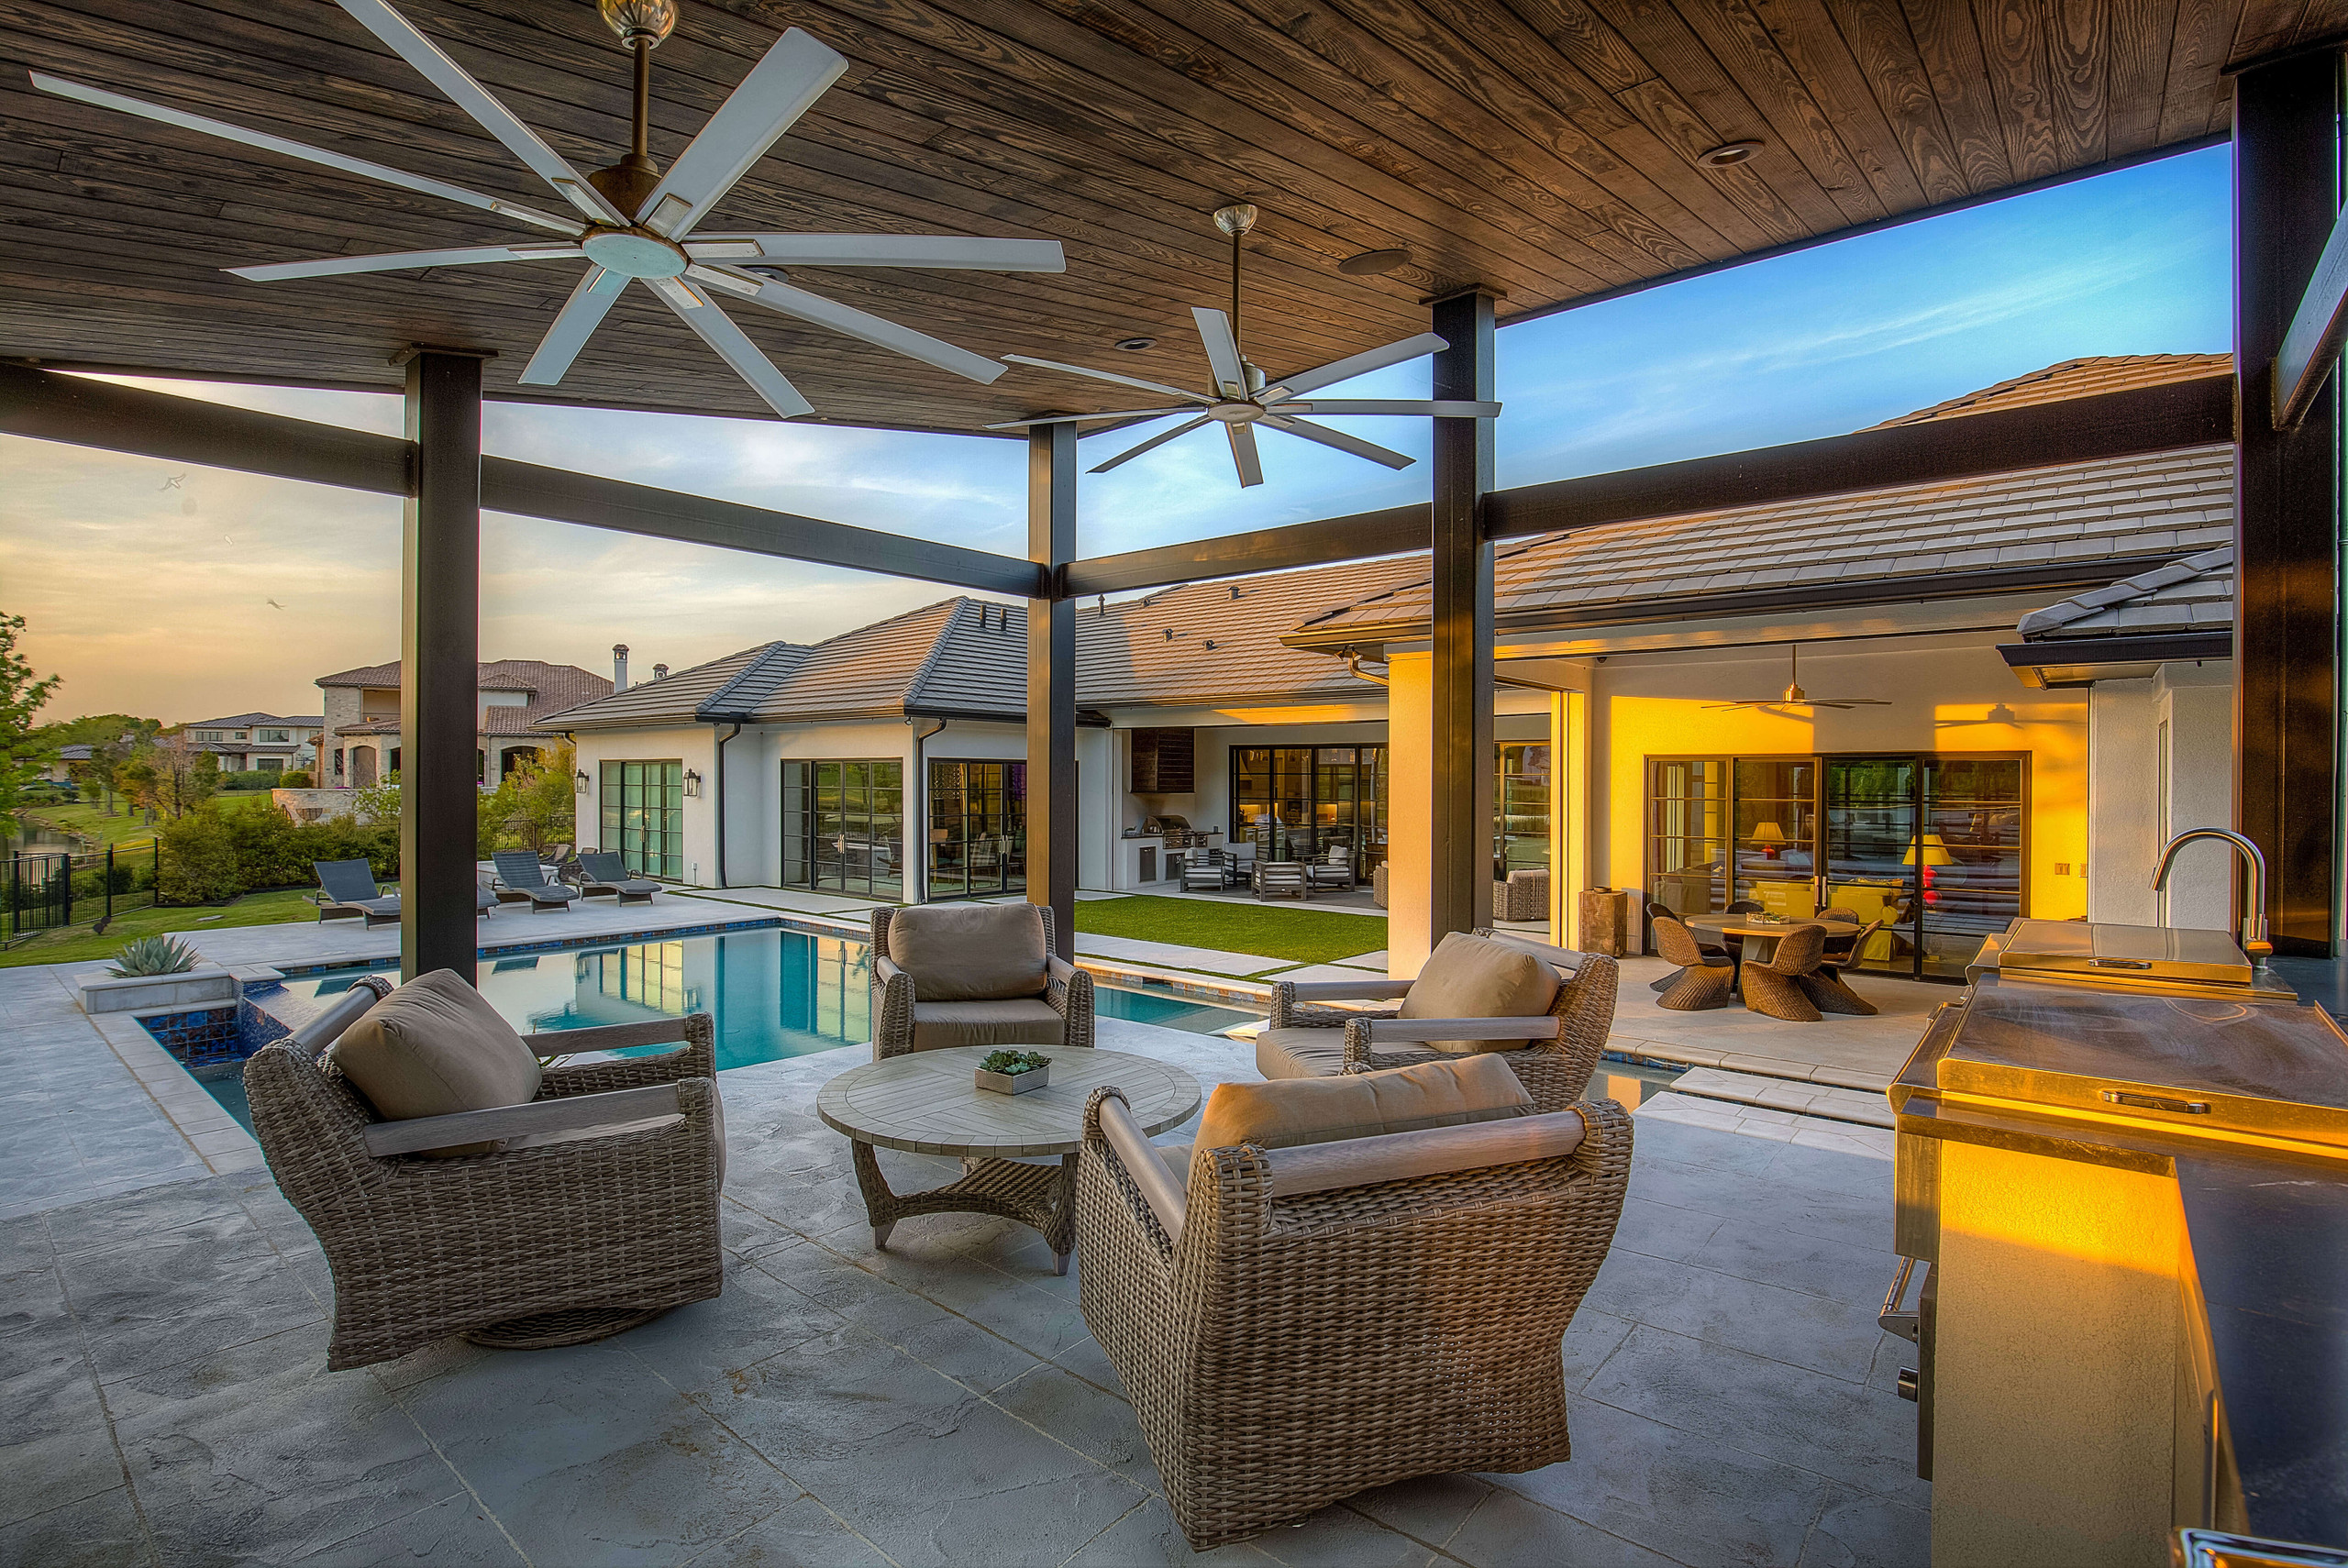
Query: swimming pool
x,y
773,993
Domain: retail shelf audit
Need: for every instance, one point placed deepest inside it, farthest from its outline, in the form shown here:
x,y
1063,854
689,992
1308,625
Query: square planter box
x,y
101,993
1014,1083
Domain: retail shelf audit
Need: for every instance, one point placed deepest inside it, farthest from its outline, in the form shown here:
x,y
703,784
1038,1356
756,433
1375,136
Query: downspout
x,y
718,767
921,793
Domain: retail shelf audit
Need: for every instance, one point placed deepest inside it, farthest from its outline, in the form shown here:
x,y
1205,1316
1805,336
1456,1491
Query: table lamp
x,y
1770,836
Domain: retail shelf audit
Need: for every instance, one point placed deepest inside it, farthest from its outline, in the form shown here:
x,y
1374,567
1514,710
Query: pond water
x,y
19,836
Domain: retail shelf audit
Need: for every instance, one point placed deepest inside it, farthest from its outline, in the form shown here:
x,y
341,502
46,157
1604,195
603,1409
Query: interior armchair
x,y
945,975
1297,1323
577,1202
1547,1009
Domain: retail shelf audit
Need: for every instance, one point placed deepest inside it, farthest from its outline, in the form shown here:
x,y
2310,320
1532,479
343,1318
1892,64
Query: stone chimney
x,y
619,666
660,672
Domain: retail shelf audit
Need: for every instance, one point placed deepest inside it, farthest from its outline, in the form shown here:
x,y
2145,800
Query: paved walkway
x,y
1732,1398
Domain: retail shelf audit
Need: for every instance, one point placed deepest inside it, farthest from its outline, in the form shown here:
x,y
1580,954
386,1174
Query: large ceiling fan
x,y
1794,697
636,222
1242,400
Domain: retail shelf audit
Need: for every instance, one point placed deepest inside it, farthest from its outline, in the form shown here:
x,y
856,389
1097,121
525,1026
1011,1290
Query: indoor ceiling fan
x,y
634,221
1794,697
1242,400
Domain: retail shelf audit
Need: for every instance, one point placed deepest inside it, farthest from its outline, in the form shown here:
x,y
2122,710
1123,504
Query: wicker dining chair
x,y
1295,1325
1825,987
993,944
1302,1039
1660,911
1705,977
599,1213
1776,989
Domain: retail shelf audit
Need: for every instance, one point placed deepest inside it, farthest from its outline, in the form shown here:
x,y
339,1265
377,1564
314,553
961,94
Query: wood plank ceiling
x,y
1545,148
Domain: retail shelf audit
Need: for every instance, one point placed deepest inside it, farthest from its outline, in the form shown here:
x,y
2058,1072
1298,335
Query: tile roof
x,y
2196,595
676,699
566,682
2166,503
247,721
2074,378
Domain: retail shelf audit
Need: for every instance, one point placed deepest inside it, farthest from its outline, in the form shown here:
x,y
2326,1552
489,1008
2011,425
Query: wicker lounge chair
x,y
522,877
1295,1325
1704,978
602,872
1776,989
990,975
607,1219
1825,987
349,892
1274,878
1524,896
1558,1050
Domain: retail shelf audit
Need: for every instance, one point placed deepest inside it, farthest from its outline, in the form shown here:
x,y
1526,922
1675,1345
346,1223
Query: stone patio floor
x,y
162,1397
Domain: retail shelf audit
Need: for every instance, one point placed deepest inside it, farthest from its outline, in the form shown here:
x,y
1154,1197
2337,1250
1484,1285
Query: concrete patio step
x,y
1798,1097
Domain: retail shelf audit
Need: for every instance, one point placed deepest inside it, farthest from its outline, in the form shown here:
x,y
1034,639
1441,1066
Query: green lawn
x,y
1302,937
74,945
128,826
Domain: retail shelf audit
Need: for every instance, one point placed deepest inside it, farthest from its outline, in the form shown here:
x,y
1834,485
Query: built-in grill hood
x,y
2172,961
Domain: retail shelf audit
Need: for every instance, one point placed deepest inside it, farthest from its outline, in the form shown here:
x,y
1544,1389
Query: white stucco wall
x,y
694,745
2160,761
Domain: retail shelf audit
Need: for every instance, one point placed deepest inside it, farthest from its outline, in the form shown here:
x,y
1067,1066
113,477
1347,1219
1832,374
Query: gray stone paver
x,y
162,1397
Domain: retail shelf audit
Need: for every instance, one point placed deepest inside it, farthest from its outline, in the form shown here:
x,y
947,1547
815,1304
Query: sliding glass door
x,y
978,829
643,816
844,826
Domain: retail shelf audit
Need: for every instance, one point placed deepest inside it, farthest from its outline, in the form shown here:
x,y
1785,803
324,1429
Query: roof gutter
x,y
2068,661
718,767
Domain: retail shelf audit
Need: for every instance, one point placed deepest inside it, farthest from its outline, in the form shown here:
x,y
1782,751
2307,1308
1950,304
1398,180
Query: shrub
x,y
250,780
294,778
199,860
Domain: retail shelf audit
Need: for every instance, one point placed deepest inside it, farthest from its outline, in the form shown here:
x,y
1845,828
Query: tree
x,y
544,808
21,694
171,774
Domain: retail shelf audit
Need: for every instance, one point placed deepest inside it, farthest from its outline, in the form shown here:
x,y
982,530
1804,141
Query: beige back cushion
x,y
1287,1112
1467,976
969,952
433,1048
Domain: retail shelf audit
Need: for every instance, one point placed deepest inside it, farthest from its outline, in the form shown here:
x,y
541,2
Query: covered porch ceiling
x,y
1548,149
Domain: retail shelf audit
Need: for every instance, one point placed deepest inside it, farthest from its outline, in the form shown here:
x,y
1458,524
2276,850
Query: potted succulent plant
x,y
1015,1071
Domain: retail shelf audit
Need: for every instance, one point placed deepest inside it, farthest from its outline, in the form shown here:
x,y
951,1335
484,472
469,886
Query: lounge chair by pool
x,y
602,872
520,876
350,893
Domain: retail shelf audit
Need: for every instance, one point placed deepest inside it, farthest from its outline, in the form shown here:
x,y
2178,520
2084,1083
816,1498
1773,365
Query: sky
x,y
187,593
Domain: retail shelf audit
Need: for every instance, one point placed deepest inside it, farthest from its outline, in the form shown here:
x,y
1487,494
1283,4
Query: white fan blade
x,y
405,40
699,312
1242,453
1109,376
419,183
1360,364
1340,440
1391,406
1079,418
1155,441
938,250
581,313
1222,351
337,266
876,330
788,79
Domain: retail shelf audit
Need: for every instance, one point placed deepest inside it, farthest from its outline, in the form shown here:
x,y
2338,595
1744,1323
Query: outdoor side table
x,y
927,1103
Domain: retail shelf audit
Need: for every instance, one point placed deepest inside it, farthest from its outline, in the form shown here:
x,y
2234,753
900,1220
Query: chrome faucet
x,y
2254,942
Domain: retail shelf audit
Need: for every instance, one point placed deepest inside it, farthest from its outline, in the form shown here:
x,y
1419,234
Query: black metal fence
x,y
47,889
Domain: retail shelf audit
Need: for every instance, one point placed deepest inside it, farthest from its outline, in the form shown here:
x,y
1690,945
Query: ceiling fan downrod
x,y
641,25
1237,220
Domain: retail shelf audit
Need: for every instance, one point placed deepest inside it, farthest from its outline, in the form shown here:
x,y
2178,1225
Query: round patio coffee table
x,y
928,1103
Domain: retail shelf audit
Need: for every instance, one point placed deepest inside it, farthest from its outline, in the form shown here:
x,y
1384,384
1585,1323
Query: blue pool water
x,y
773,993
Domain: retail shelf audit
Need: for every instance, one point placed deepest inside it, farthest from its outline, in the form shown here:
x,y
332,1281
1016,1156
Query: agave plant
x,y
153,955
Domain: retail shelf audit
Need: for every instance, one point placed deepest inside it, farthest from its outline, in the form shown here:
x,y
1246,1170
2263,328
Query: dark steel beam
x,y
529,490
1395,531
1051,683
2311,343
440,668
2287,503
2049,435
1459,887
79,411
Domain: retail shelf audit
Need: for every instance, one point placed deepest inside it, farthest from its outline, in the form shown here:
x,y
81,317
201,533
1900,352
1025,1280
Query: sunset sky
x,y
226,591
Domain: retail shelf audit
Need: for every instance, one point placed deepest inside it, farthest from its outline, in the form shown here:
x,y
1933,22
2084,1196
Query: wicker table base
x,y
1043,1196
576,1326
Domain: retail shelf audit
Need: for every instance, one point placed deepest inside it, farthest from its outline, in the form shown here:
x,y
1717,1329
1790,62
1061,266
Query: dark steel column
x,y
2286,505
1459,887
1051,681
439,654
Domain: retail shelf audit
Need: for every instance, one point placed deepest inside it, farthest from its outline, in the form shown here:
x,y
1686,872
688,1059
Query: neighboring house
x,y
1636,746
270,742
362,724
59,769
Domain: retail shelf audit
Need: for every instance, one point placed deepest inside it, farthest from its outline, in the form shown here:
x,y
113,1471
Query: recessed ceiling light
x,y
1136,345
1370,263
1728,154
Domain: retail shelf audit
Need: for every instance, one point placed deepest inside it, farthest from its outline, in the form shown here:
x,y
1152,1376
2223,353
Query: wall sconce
x,y
583,780
693,785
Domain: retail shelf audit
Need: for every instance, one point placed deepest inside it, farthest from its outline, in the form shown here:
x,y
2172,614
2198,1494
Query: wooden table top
x,y
1728,926
928,1103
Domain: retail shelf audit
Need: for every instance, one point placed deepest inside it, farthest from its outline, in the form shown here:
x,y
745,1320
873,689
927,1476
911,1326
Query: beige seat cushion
x,y
1289,1112
1023,1020
1301,1053
1178,1160
1467,976
433,1048
969,952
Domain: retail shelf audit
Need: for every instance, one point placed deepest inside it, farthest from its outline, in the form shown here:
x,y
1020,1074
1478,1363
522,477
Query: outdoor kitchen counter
x,y
2099,1283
